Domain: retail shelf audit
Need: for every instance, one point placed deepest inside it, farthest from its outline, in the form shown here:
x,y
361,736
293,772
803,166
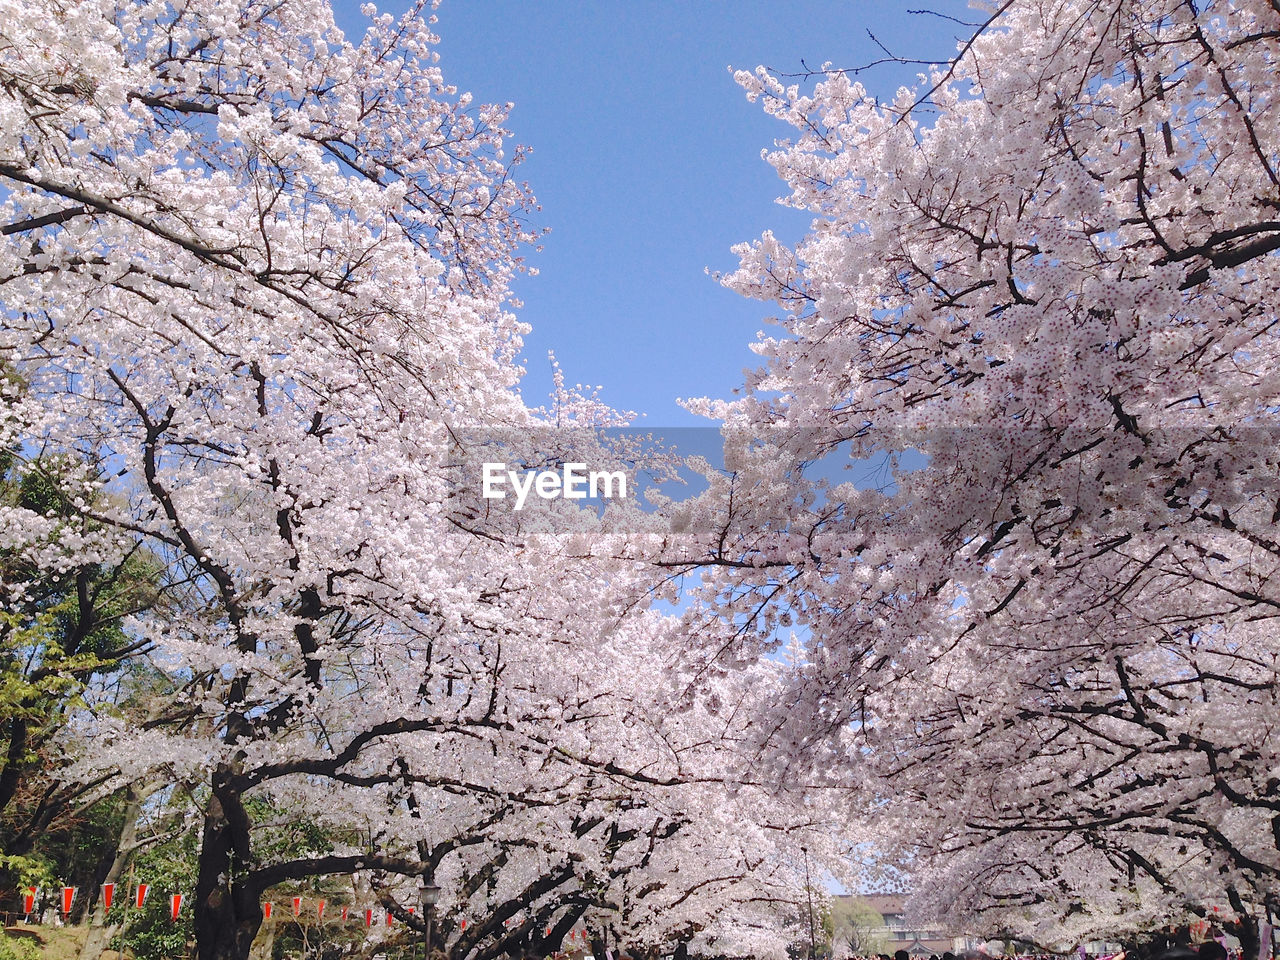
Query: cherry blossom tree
x,y
643,822
1038,294
257,276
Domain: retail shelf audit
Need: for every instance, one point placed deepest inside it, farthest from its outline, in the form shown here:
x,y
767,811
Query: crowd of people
x,y
1209,950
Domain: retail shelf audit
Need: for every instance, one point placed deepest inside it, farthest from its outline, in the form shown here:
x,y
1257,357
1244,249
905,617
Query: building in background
x,y
894,932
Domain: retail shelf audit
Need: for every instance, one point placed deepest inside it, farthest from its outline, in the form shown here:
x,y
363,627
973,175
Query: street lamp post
x,y
429,894
809,893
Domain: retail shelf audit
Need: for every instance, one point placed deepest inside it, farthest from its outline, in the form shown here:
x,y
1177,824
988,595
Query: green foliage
x,y
152,934
282,835
73,850
279,835
857,929
18,948
70,853
32,871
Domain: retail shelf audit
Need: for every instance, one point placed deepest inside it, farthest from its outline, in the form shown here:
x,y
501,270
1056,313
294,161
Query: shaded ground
x,y
56,943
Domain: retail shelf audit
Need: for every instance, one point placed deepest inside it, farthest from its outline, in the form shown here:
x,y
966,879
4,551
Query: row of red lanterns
x,y
176,901
108,895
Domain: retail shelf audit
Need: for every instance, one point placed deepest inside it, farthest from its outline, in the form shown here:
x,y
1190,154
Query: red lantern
x,y
368,918
29,900
266,911
320,910
297,906
108,891
68,898
140,895
344,914
175,905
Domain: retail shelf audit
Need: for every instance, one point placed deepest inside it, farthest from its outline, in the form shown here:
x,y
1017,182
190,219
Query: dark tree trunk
x,y
227,911
1247,933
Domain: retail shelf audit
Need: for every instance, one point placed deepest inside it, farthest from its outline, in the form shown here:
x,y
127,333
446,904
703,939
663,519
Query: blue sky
x,y
646,161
